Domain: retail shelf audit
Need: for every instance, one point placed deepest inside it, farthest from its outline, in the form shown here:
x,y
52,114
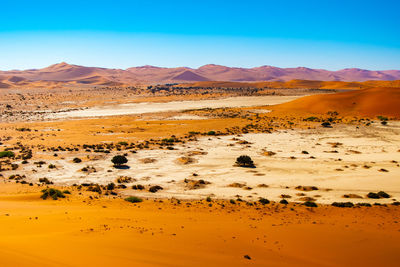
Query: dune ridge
x,y
64,72
370,102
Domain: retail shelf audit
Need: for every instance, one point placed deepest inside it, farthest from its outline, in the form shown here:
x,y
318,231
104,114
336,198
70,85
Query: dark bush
x,y
7,154
133,199
94,188
77,160
53,193
284,201
263,201
326,125
138,187
155,188
380,194
119,160
310,204
383,194
110,186
245,161
45,181
364,205
343,204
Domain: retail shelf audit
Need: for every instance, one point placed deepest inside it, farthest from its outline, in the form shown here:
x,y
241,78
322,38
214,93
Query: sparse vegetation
x,y
77,160
343,204
133,199
311,204
53,193
380,194
245,161
119,160
7,154
263,201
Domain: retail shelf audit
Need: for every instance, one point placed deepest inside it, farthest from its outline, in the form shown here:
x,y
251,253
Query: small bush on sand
x,y
94,188
364,205
7,154
52,166
45,181
53,193
343,204
326,125
77,160
119,160
263,201
310,204
110,186
155,188
245,161
284,201
137,187
133,199
383,194
380,194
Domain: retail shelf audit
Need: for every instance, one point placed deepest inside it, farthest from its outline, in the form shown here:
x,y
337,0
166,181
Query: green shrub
x,y
310,204
284,201
326,124
45,181
123,143
383,194
53,193
7,154
380,194
77,160
133,199
110,186
155,188
343,204
263,201
119,160
245,161
138,187
208,199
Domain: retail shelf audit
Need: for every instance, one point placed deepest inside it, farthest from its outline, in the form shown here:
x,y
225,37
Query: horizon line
x,y
194,68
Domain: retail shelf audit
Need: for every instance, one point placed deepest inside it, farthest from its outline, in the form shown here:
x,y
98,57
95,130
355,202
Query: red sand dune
x,y
304,84
64,72
367,102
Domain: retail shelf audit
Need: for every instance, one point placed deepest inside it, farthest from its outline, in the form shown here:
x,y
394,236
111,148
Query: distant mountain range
x,y
75,74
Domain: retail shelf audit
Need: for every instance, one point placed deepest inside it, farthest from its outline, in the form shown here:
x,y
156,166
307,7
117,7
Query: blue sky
x,y
120,34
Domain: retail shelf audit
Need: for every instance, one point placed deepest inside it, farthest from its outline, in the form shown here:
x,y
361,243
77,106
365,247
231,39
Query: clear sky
x,y
120,34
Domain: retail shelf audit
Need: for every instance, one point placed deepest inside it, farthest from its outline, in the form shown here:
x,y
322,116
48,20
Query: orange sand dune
x,y
367,102
302,84
79,231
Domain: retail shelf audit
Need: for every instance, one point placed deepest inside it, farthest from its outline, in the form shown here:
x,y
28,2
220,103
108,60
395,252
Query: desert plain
x,y
322,187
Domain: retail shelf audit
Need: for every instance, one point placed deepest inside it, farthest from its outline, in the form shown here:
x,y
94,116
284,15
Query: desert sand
x,y
80,231
205,209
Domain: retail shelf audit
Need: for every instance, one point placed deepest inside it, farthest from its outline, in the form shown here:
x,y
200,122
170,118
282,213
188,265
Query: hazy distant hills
x,y
63,72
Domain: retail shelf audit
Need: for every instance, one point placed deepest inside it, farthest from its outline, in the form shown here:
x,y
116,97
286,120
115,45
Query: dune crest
x,y
371,102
